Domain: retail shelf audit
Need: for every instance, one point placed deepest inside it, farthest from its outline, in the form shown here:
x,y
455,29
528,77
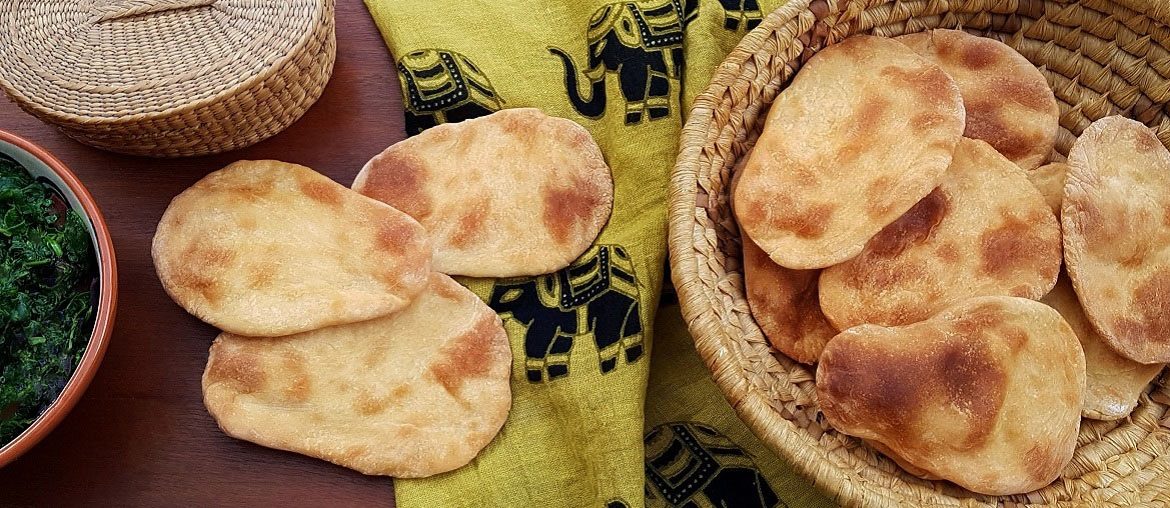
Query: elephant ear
x,y
625,25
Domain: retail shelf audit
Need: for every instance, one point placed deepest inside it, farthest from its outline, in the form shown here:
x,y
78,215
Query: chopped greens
x,y
47,268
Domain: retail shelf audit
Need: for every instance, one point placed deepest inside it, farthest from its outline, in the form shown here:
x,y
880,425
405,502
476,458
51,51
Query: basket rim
x,y
684,262
323,21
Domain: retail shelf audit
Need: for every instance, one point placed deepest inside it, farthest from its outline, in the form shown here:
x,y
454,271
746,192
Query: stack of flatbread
x,y
903,231
343,337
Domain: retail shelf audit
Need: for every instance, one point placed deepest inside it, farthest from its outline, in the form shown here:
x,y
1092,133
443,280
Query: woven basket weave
x,y
1101,58
166,77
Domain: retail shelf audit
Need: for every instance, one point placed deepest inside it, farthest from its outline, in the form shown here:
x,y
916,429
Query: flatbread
x,y
784,303
412,394
1113,382
267,248
1116,218
986,394
865,130
513,193
1049,180
984,231
1009,103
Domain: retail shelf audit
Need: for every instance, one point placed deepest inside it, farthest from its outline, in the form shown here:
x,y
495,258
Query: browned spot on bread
x,y
984,122
400,391
468,229
973,382
399,180
261,275
888,398
1145,141
567,205
809,222
368,404
248,222
979,55
197,269
914,226
321,191
1150,328
468,356
1028,94
394,237
238,367
948,252
298,390
979,318
1011,244
373,357
931,83
1043,461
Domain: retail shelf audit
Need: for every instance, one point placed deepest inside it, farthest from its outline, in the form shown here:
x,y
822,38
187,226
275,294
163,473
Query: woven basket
x,y
1100,57
166,77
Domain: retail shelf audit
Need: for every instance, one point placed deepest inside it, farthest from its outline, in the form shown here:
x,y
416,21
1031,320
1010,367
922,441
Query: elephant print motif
x,y
691,465
737,12
642,43
443,86
596,294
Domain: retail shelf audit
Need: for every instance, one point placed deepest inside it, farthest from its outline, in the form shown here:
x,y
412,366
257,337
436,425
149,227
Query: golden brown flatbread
x,y
412,394
984,231
1049,180
986,394
865,130
513,193
1116,218
267,248
1113,382
784,303
1009,103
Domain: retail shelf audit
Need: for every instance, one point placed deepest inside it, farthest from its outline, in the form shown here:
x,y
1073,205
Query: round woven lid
x,y
105,60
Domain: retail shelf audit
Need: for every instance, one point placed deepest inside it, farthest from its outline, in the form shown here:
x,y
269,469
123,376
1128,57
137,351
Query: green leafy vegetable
x,y
47,268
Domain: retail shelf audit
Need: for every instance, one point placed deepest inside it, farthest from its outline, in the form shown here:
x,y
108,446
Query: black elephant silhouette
x,y
443,86
596,294
736,12
640,41
691,465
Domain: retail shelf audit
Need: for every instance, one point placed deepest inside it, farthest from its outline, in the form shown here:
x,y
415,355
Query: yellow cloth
x,y
581,337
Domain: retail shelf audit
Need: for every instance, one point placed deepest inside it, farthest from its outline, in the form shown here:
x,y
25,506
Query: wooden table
x,y
140,436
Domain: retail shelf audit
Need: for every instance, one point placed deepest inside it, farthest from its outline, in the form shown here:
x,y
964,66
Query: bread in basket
x,y
1101,57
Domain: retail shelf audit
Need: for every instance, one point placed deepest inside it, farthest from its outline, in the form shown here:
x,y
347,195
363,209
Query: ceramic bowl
x,y
48,169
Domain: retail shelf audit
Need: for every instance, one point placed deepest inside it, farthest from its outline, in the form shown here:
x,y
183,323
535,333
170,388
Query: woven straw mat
x,y
1101,58
166,77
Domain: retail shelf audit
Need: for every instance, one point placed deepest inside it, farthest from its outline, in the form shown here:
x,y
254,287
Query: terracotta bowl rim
x,y
103,320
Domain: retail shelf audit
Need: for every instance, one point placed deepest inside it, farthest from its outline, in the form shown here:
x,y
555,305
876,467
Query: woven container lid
x,y
166,77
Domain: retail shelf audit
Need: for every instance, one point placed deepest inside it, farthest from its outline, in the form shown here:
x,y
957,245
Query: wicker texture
x,y
1102,57
166,77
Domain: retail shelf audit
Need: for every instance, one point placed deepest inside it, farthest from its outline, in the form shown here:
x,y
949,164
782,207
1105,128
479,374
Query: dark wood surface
x,y
140,436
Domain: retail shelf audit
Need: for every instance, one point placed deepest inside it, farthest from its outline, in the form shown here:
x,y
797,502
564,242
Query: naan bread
x,y
986,394
267,248
1116,217
513,193
412,394
984,231
1113,382
1009,103
865,130
784,303
1049,180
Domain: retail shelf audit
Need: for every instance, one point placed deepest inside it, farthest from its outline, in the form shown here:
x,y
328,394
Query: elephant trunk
x,y
593,107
